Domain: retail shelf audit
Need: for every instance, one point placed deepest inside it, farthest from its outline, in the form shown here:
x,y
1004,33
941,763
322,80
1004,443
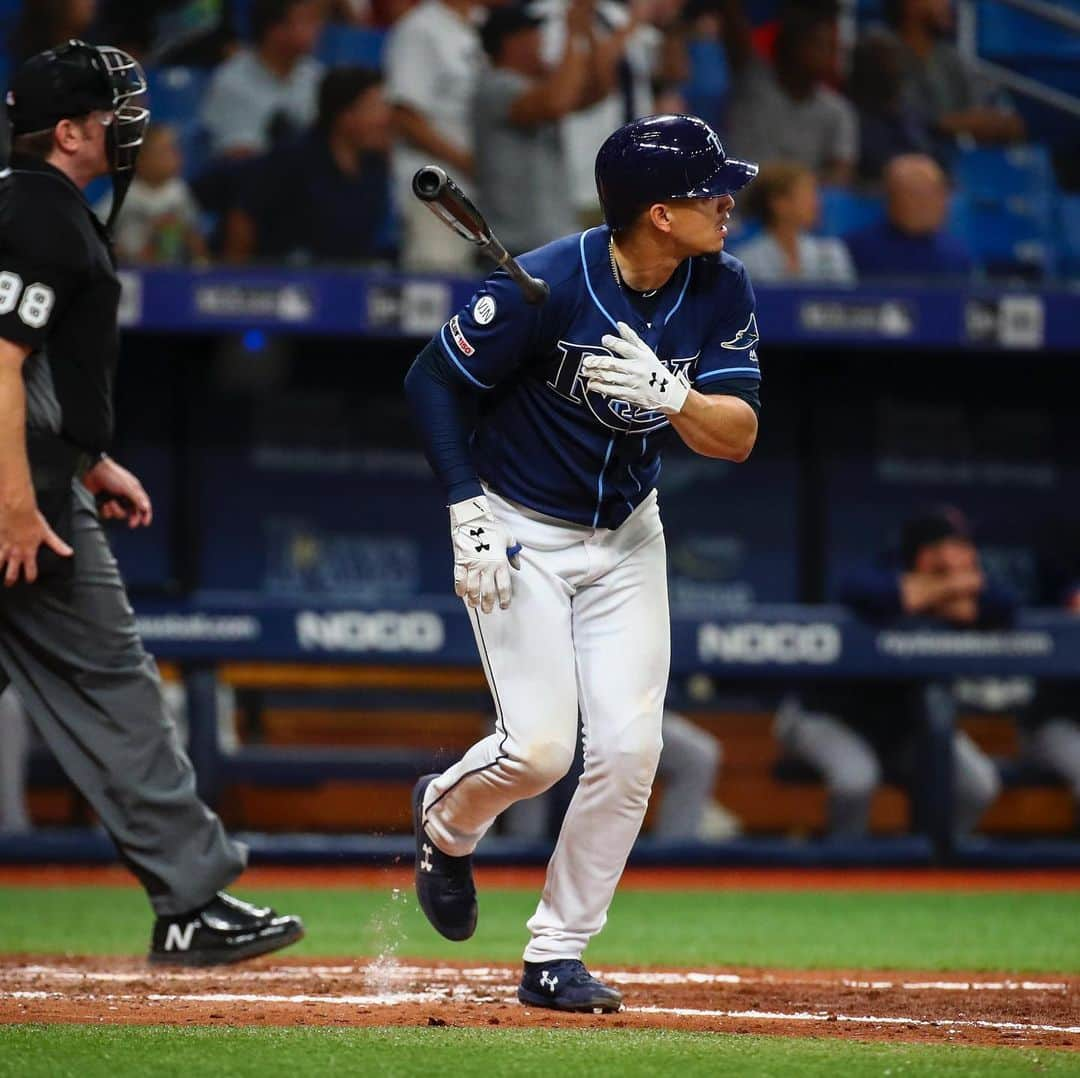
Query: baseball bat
x,y
451,205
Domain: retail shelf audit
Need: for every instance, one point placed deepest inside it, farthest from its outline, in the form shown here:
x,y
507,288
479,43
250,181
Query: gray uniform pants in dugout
x,y
71,649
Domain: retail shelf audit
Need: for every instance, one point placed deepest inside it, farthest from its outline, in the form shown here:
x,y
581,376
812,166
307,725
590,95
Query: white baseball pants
x,y
588,627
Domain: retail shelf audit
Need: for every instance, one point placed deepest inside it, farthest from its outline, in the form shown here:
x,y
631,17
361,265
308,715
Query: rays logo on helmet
x,y
484,310
746,339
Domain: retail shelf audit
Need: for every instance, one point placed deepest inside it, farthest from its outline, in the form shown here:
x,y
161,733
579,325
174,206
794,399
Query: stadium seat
x,y
357,46
1068,235
1006,208
994,176
1006,34
176,93
844,211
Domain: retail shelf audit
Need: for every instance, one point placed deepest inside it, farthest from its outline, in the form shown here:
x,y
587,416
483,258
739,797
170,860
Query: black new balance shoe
x,y
566,985
224,930
444,884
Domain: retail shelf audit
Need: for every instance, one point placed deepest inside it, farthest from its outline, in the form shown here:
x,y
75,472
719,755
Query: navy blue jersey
x,y
540,438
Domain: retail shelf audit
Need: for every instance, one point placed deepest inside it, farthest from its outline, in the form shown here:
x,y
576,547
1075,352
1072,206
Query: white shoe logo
x,y
425,863
548,982
179,937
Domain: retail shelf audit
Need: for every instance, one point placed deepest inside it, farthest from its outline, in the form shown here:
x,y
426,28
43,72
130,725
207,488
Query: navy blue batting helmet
x,y
660,158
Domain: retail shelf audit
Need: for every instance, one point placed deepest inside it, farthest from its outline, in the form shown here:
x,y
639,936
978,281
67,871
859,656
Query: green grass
x,y
1008,931
111,1051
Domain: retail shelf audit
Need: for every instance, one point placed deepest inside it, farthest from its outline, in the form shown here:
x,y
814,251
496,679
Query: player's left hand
x,y
484,551
635,375
119,494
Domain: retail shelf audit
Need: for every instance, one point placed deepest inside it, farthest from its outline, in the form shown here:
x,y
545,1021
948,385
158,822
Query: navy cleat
x,y
566,985
444,884
224,930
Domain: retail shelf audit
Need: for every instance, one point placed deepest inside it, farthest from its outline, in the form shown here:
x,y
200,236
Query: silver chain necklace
x,y
618,276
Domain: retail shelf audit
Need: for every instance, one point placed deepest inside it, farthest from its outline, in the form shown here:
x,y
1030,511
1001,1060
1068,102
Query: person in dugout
x,y
855,734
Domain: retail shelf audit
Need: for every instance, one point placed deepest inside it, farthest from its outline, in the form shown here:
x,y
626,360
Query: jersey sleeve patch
x,y
460,339
746,339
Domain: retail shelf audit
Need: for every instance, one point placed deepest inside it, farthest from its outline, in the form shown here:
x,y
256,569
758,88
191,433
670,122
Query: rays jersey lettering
x,y
541,438
618,415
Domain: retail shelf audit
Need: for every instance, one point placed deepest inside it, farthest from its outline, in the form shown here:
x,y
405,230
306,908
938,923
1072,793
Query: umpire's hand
x,y
119,494
22,530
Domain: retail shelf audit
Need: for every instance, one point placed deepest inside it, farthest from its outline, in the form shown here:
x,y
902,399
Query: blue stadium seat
x,y
176,93
844,211
1005,33
1005,240
1068,234
994,176
358,46
1007,208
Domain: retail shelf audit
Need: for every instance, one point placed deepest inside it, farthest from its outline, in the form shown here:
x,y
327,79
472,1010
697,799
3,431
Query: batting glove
x,y
635,375
483,554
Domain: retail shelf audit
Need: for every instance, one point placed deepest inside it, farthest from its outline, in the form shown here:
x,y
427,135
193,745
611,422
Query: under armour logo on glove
x,y
426,864
484,553
634,374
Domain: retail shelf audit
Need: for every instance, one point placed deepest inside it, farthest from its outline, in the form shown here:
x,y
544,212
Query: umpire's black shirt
x,y
59,295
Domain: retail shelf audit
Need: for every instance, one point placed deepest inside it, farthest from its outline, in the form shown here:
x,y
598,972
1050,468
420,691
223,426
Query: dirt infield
x,y
920,1007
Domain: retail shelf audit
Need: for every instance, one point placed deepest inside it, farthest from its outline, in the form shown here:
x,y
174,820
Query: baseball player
x,y
68,641
546,424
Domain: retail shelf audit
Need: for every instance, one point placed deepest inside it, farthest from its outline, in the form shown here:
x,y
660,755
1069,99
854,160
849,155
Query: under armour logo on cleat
x,y
548,982
663,384
425,862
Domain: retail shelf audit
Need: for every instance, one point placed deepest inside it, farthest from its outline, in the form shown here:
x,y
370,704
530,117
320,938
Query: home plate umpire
x,y
68,641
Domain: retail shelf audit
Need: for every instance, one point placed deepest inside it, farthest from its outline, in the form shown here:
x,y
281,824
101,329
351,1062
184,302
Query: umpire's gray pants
x,y
74,655
851,770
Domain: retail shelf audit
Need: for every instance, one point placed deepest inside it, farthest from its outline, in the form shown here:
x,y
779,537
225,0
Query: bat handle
x,y
534,289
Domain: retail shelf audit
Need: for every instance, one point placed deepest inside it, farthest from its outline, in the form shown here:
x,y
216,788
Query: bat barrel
x,y
429,183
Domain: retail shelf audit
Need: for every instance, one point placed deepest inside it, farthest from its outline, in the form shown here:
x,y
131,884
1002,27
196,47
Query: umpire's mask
x,y
73,80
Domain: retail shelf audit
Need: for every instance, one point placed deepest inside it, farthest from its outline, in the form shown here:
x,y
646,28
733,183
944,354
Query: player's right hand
x,y
22,530
483,554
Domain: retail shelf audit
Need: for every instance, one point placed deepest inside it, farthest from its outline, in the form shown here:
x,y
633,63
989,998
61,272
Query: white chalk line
x,y
832,1016
392,972
681,1012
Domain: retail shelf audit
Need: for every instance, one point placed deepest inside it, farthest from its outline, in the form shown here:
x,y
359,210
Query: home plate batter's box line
x,y
387,972
436,997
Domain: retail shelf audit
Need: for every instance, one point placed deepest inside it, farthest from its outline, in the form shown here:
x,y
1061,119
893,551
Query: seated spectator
x,y
326,196
266,94
941,83
889,124
521,171
44,24
784,197
911,241
787,112
159,220
857,733
433,55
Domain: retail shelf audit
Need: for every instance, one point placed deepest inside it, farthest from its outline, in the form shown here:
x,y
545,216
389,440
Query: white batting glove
x,y
635,375
483,554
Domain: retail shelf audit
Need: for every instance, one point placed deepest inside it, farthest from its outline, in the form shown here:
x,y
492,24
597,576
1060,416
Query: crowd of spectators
x,y
514,100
